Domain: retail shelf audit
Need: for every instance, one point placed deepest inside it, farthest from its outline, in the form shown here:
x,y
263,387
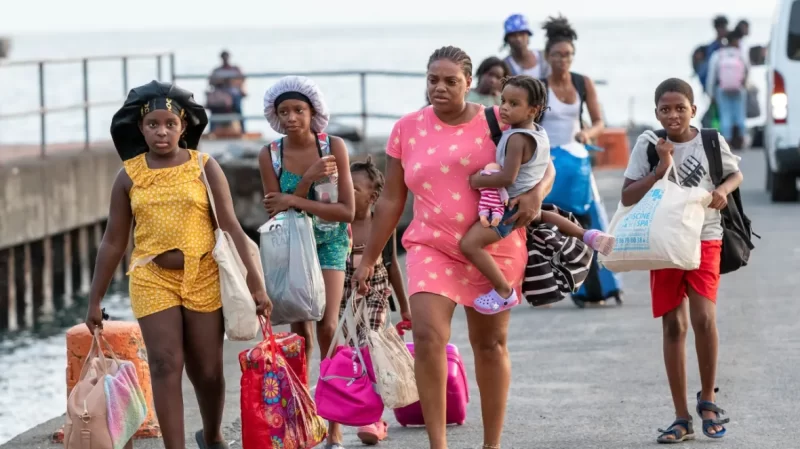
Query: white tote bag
x,y
238,307
660,231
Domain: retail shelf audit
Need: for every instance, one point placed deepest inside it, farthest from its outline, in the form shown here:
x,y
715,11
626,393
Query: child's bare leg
x,y
598,240
472,246
706,342
675,325
566,227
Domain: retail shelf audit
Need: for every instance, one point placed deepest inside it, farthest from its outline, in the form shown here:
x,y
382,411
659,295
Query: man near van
x,y
726,83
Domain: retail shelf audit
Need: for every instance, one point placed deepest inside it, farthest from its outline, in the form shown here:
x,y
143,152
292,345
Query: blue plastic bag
x,y
572,188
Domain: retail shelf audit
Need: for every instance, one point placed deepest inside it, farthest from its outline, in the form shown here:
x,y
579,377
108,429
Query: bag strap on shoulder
x,y
494,125
208,187
652,154
713,151
579,83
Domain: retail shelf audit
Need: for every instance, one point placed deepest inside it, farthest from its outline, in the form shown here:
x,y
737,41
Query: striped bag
x,y
557,264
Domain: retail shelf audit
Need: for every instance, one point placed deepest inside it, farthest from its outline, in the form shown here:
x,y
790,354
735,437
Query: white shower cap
x,y
301,85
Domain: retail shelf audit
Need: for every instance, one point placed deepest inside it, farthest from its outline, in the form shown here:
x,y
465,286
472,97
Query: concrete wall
x,y
41,197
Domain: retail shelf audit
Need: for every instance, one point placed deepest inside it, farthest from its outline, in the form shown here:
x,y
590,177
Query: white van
x,y
782,127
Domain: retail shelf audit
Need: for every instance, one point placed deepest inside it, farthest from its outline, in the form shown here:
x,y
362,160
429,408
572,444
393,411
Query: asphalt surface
x,y
594,378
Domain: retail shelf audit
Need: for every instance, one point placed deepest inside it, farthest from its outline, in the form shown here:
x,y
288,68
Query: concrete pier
x,y
52,212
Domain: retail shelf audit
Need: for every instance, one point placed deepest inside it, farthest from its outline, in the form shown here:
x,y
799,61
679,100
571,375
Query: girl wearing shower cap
x,y
174,280
291,168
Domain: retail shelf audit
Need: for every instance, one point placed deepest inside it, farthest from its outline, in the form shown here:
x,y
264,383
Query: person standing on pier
x,y
308,166
174,280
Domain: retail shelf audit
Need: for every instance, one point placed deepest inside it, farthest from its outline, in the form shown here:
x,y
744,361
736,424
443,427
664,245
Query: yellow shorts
x,y
154,289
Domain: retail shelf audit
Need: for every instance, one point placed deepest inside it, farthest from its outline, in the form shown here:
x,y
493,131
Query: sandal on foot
x,y
201,442
492,303
719,420
373,433
681,430
334,446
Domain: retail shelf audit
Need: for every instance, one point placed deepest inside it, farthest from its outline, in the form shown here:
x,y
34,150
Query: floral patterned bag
x,y
277,409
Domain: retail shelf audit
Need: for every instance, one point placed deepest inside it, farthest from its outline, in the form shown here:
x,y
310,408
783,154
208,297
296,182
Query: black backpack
x,y
737,231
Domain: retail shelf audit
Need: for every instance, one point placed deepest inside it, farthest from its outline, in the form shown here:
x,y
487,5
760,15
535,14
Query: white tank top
x,y
538,71
562,120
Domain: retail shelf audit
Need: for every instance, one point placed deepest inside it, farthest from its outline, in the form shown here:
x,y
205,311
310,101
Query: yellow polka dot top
x,y
170,211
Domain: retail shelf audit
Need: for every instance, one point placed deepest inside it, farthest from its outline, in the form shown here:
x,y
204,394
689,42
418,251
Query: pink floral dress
x,y
438,160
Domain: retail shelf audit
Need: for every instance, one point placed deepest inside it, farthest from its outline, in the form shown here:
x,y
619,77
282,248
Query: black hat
x,y
128,138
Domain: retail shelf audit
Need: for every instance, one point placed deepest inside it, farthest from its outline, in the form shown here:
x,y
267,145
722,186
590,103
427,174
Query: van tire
x,y
784,187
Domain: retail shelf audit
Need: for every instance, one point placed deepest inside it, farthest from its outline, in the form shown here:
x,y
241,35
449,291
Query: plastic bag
x,y
661,231
276,406
393,364
292,272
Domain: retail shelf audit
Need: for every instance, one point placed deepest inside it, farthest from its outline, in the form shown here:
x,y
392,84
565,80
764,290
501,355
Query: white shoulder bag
x,y
238,307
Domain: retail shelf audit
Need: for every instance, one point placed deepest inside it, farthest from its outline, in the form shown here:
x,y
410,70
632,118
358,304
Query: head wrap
x,y
296,88
516,23
128,138
163,103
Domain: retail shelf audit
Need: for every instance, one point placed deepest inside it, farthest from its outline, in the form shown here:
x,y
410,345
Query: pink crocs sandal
x,y
492,303
599,241
373,433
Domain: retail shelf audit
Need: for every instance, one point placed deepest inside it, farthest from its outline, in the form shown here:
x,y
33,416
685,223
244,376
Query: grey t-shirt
x,y
691,165
531,172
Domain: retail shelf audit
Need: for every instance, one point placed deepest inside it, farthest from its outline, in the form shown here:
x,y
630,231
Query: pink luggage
x,y
457,393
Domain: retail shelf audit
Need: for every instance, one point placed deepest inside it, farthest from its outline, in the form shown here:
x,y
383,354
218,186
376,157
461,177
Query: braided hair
x,y
454,55
558,29
537,92
371,170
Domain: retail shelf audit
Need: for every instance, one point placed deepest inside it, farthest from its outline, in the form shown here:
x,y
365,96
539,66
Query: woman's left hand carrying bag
x,y
238,306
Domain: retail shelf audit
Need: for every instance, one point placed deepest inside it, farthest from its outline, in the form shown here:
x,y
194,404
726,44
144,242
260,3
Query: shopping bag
x,y
276,407
660,231
346,389
392,362
292,271
107,405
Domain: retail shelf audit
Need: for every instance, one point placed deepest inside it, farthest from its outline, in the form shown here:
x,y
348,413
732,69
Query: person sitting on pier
x,y
174,280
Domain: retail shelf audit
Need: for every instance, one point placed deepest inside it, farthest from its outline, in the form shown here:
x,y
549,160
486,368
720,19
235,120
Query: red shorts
x,y
668,286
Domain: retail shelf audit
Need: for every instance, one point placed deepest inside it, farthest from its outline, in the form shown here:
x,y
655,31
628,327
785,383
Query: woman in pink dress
x,y
432,153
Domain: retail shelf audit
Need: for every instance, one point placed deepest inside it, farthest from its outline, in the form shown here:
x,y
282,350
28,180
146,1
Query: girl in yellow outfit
x,y
174,281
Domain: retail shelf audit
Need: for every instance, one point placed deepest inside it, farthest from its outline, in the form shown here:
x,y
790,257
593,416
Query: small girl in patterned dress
x,y
367,184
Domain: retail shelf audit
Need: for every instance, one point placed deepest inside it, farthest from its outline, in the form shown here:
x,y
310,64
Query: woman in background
x,y
490,75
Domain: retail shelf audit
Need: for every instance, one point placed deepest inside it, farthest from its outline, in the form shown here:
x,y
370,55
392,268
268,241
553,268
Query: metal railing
x,y
43,110
364,114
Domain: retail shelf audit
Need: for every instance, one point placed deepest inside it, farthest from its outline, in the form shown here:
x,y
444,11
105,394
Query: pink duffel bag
x,y
457,391
346,389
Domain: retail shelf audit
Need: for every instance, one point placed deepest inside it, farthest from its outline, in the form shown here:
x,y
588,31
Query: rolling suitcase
x,y
457,390
601,284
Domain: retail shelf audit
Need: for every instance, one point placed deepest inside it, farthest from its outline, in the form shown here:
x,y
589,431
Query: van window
x,y
793,44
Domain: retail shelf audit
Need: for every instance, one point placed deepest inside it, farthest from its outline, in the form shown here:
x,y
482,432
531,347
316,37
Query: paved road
x,y
594,378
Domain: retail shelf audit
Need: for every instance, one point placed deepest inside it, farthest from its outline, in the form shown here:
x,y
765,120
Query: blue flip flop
x,y
719,420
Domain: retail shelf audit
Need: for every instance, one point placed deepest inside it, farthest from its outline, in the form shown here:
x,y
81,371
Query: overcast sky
x,y
21,16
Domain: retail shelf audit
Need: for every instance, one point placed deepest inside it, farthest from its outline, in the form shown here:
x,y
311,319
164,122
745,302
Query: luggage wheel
x,y
579,302
618,299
